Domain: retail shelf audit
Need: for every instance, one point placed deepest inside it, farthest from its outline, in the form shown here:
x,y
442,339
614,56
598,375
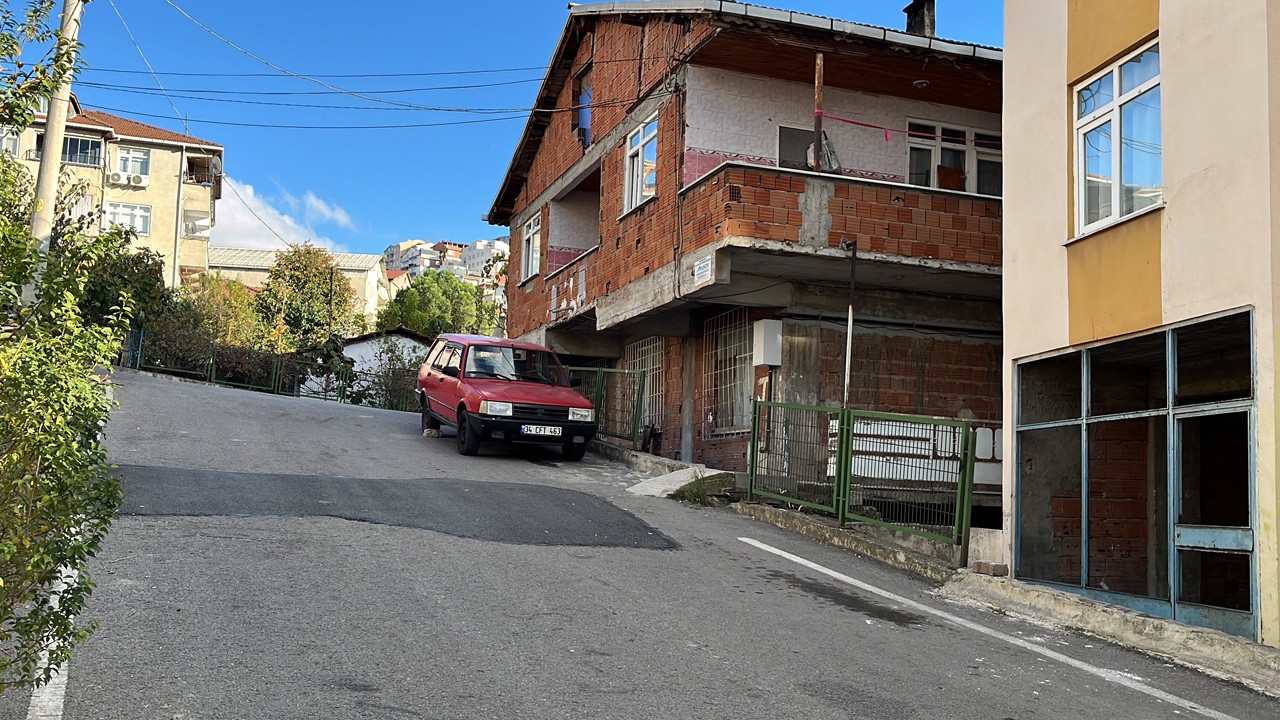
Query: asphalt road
x,y
282,558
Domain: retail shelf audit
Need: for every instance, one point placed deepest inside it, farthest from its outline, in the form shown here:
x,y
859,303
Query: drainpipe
x,y
177,237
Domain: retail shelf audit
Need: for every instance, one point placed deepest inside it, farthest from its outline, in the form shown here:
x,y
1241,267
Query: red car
x,y
498,389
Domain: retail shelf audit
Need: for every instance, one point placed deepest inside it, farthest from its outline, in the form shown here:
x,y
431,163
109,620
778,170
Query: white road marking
x,y
1108,675
47,700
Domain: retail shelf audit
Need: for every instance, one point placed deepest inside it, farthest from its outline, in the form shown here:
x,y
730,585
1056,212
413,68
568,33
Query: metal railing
x,y
269,372
618,396
904,472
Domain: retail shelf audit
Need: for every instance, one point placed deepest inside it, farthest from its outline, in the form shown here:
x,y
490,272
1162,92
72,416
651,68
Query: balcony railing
x,y
765,203
81,159
199,178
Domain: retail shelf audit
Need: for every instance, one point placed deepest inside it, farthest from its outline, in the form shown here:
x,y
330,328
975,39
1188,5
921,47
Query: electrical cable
x,y
231,185
306,127
146,62
393,91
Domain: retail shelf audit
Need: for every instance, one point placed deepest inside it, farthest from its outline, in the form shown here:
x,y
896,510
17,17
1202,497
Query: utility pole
x,y
55,130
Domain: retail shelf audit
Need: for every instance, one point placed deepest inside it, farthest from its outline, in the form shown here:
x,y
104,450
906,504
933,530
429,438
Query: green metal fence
x,y
618,396
905,472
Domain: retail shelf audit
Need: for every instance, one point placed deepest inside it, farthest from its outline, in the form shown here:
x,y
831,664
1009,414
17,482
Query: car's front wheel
x,y
574,451
468,442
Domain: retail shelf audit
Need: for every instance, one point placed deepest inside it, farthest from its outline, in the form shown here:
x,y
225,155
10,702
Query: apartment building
x,y
481,253
419,258
665,206
393,258
164,185
1140,290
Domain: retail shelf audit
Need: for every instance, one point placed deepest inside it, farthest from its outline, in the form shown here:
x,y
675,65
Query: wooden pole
x,y
817,115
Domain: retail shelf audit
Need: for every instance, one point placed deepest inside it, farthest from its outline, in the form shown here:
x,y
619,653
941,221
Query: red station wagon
x,y
498,389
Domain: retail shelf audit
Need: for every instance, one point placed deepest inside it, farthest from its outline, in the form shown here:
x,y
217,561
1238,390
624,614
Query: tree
x,y
57,496
438,302
306,298
139,273
227,310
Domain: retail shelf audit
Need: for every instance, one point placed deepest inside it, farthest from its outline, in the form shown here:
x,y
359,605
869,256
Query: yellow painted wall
x,y
1113,280
1099,31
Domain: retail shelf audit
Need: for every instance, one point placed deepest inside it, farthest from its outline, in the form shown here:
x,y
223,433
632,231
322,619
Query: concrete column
x,y
687,399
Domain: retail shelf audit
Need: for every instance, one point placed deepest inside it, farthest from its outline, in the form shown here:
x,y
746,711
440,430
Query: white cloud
x,y
247,219
319,211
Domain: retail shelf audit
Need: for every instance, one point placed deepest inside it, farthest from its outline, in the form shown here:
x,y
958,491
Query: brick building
x,y
662,202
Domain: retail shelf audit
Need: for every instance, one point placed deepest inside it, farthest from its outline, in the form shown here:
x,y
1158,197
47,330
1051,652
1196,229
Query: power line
x,y
247,206
278,68
439,73
393,91
474,111
309,127
146,62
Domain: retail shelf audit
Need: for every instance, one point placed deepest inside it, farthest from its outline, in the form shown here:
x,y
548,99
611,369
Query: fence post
x,y
213,364
844,464
752,463
636,407
964,510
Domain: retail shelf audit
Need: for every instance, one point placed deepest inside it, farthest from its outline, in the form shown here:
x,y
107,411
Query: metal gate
x,y
904,472
618,396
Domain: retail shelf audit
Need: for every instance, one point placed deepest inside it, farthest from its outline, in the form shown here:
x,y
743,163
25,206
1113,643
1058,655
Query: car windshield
x,y
515,364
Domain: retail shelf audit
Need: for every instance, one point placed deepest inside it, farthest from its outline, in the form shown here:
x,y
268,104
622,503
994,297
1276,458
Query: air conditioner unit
x,y
120,178
139,180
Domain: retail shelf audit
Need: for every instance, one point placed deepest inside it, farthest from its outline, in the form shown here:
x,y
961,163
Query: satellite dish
x,y
215,165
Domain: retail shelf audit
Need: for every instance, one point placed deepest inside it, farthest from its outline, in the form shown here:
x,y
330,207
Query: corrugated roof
x,y
258,259
135,129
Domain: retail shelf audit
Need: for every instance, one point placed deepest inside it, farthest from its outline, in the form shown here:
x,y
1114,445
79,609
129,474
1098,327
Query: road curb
x,y
638,461
1212,652
823,530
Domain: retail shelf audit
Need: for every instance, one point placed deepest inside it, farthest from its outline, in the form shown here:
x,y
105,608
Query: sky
x,y
324,174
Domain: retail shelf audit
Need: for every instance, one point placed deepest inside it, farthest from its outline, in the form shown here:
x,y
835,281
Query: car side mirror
x,y
451,371
575,382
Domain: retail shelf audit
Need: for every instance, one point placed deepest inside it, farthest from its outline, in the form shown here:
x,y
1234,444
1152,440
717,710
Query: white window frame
x,y
972,153
637,141
531,247
126,156
115,214
10,140
1111,112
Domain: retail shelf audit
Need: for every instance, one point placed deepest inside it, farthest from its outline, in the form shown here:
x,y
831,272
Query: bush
x,y
57,496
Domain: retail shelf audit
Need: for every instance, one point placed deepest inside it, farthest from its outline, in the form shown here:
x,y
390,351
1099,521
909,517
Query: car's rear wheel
x,y
429,422
574,451
468,442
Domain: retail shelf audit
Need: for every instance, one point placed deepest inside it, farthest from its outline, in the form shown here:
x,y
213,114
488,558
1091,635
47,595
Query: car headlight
x,y
490,407
582,414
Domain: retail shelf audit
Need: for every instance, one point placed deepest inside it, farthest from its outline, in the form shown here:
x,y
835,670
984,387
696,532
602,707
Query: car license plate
x,y
552,430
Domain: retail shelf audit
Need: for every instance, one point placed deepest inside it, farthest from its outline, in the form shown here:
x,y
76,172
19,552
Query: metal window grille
x,y
727,372
646,356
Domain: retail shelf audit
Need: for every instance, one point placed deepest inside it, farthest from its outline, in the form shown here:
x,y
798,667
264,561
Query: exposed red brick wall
x,y
1118,522
939,376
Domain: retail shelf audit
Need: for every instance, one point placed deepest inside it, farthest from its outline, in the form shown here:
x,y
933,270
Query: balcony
x,y
80,159
780,237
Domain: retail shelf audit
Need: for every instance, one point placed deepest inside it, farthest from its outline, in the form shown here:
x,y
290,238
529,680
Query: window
x,y
137,217
642,164
9,141
134,161
531,246
42,105
646,356
76,150
793,147
1123,102
952,157
727,372
582,103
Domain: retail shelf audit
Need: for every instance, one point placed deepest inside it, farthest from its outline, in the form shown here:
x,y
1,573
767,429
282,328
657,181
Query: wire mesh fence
x,y
185,355
909,473
795,452
618,396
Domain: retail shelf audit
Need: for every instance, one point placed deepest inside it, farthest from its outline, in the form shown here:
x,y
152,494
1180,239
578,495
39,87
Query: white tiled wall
x,y
732,112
